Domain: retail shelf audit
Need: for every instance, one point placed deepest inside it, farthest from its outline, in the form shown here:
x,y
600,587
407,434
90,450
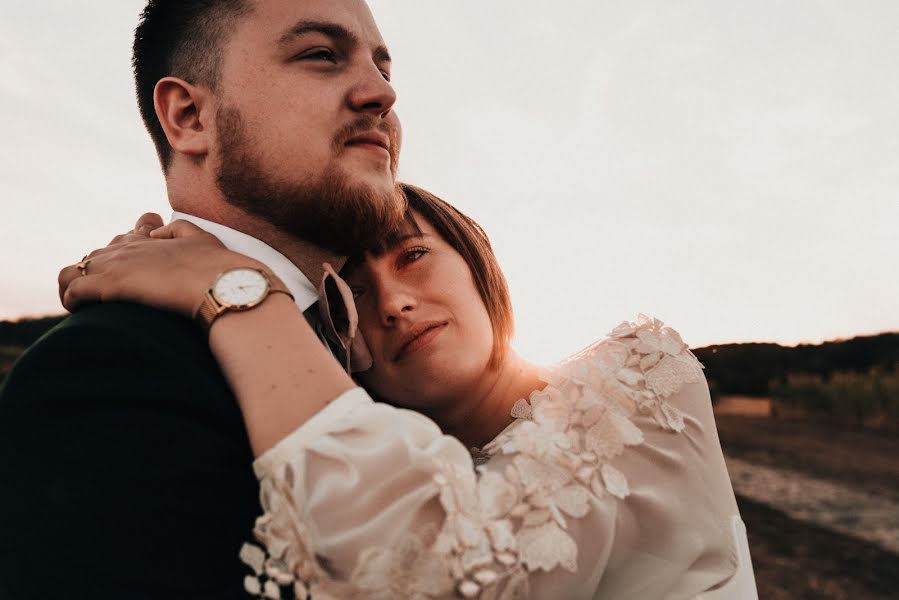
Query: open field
x,y
818,555
795,559
866,461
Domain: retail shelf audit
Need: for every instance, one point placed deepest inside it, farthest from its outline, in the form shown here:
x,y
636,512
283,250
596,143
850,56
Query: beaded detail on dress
x,y
501,524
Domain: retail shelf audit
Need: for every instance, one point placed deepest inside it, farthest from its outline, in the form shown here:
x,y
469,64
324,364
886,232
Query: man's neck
x,y
306,256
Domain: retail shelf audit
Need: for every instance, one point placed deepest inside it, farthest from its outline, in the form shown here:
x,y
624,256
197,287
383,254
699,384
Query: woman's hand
x,y
167,267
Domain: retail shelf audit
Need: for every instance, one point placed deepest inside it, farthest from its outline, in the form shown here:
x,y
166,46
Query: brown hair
x,y
181,38
467,238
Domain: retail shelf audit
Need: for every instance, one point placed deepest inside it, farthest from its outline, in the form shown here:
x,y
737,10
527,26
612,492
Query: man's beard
x,y
326,210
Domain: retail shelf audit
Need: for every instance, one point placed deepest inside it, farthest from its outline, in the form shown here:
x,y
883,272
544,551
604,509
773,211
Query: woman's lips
x,y
420,340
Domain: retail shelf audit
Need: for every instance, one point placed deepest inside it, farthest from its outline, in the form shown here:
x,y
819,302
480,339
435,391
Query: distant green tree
x,y
860,400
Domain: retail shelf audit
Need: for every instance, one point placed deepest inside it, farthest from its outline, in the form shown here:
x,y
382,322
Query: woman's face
x,y
424,322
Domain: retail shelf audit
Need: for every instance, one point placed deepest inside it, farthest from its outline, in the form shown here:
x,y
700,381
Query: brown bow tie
x,y
340,321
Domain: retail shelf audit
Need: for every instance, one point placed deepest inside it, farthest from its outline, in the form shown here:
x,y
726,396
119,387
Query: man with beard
x,y
125,465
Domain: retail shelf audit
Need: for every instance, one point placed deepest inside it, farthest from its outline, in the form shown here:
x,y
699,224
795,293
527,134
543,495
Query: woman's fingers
x,y
147,223
66,276
72,280
170,270
177,229
118,243
79,290
93,263
124,238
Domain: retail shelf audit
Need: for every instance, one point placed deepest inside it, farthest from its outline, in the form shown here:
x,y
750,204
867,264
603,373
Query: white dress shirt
x,y
304,293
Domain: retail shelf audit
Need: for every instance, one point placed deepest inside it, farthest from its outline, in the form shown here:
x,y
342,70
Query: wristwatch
x,y
237,290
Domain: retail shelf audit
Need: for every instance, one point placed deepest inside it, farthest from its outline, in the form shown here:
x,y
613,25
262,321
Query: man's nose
x,y
372,94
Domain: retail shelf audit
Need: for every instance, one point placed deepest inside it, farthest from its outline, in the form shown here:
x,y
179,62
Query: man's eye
x,y
322,54
385,75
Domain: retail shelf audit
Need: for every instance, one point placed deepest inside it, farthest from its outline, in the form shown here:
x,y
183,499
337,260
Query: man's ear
x,y
184,110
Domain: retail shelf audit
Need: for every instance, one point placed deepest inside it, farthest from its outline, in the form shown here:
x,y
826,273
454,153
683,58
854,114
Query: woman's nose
x,y
395,305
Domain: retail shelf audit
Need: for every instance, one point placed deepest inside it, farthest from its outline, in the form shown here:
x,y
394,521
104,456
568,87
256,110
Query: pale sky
x,y
731,167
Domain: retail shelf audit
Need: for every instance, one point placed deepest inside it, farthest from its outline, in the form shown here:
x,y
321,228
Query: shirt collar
x,y
304,293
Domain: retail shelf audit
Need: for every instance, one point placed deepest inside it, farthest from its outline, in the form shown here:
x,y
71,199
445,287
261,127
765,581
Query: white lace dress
x,y
610,483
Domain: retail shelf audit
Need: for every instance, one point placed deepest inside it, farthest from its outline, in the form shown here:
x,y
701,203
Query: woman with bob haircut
x,y
457,469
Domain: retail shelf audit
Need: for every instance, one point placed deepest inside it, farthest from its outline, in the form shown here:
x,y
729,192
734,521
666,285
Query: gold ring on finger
x,y
82,266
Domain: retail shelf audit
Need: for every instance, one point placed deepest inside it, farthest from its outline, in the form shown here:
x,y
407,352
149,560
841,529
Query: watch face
x,y
240,288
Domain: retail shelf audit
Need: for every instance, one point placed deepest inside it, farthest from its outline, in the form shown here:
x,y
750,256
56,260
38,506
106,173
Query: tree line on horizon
x,y
848,383
750,369
746,369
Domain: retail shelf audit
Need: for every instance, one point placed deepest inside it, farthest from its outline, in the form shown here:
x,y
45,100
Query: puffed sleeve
x,y
609,484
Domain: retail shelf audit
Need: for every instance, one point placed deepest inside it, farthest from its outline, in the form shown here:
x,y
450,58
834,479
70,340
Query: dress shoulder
x,y
565,436
637,367
496,524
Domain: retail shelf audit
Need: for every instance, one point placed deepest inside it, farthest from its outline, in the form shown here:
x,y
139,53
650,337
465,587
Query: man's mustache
x,y
364,125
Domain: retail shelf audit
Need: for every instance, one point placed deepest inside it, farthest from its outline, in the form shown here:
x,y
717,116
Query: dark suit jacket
x,y
125,469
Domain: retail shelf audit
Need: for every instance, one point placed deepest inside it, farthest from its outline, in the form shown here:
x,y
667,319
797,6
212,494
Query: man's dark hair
x,y
179,38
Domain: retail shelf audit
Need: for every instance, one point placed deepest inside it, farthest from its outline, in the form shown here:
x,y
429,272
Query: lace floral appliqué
x,y
501,525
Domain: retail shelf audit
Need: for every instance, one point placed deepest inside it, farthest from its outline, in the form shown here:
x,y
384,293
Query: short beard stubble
x,y
326,211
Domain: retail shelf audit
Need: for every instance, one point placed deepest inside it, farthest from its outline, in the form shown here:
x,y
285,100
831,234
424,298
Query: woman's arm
x,y
277,367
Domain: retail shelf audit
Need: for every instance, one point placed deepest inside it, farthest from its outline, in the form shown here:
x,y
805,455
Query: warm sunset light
x,y
261,415
730,167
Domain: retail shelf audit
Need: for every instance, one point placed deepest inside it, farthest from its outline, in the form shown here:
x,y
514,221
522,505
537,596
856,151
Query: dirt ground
x,y
795,559
865,460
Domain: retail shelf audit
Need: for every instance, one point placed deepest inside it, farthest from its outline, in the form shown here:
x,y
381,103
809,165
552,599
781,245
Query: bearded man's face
x,y
307,138
329,209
